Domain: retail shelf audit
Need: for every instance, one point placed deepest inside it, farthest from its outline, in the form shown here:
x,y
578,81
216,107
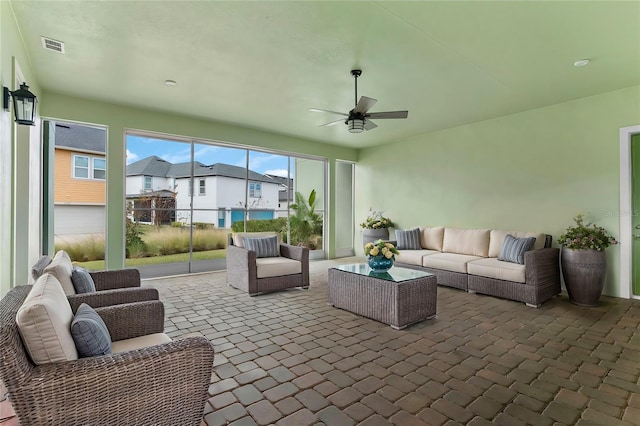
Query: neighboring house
x,y
285,195
163,191
79,179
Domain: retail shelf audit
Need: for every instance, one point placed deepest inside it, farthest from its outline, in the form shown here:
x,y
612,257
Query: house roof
x,y
156,166
80,137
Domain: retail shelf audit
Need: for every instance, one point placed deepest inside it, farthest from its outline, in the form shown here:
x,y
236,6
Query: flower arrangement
x,y
375,220
380,248
587,236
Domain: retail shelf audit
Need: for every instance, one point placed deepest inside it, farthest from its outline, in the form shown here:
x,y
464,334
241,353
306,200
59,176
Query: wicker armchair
x,y
112,287
243,269
160,385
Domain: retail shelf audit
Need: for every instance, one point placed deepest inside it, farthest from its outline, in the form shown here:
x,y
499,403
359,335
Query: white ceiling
x,y
263,64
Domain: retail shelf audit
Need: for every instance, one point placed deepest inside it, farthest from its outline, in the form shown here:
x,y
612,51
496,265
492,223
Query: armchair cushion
x,y
44,323
277,266
264,247
62,268
90,333
82,281
140,342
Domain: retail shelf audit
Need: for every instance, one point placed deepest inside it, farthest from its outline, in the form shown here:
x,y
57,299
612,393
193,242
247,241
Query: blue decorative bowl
x,y
379,263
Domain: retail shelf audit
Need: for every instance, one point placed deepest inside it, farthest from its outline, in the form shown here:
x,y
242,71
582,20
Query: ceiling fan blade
x,y
332,123
388,114
364,104
368,125
326,110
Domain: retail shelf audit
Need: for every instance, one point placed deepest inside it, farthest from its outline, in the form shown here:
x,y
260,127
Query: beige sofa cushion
x,y
238,237
449,261
497,238
139,342
277,266
413,257
44,322
61,268
431,238
494,268
473,242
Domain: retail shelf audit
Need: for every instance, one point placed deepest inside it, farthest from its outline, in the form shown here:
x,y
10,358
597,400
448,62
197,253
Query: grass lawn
x,y
98,265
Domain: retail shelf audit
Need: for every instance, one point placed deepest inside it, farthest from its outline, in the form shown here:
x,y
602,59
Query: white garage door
x,y
76,220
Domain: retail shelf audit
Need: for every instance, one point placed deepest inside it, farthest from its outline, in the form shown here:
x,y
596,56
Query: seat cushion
x,y
473,242
449,261
264,247
90,333
414,257
62,268
496,238
497,269
277,266
139,342
44,322
513,249
408,239
431,237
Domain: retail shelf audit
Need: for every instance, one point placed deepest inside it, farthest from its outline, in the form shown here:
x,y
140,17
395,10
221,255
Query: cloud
x,y
132,157
276,172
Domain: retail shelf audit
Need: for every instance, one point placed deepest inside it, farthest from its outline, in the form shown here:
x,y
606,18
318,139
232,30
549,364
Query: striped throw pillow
x,y
90,333
513,248
408,239
82,281
264,247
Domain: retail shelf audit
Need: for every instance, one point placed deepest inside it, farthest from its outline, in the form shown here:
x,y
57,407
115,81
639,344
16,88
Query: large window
x,y
88,167
204,191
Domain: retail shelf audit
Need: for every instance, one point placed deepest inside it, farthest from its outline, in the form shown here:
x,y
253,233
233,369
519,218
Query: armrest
x,y
241,269
294,252
122,278
133,319
542,267
156,385
113,297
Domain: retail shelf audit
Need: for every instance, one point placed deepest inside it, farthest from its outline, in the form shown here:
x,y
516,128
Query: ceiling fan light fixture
x,y
356,125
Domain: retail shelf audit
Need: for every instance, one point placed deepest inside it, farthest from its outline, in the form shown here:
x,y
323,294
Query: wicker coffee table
x,y
399,297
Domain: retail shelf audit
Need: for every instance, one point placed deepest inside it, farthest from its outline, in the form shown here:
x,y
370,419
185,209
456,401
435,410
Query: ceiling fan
x,y
358,119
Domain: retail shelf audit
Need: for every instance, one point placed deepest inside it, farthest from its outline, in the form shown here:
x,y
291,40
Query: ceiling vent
x,y
53,45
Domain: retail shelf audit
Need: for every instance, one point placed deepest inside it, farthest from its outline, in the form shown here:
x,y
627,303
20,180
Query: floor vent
x,y
53,45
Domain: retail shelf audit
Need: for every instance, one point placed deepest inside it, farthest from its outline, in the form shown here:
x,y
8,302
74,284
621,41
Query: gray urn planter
x,y
372,235
584,273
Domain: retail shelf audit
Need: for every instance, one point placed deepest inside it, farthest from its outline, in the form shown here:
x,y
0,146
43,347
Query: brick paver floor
x,y
288,358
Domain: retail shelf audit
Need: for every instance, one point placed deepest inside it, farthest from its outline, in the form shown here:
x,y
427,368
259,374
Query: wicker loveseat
x,y
112,287
165,384
467,259
245,271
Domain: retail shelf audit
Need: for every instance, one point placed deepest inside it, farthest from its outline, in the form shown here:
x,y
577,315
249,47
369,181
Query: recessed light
x,y
170,83
581,63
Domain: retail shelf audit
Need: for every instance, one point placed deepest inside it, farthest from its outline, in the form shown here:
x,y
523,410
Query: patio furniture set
x,y
101,357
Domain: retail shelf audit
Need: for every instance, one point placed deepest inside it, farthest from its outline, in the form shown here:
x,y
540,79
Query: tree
x,y
305,223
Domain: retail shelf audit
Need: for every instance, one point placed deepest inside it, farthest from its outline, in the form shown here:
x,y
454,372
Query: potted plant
x,y
583,261
375,227
380,255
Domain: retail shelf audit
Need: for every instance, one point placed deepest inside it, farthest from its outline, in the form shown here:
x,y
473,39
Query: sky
x,y
139,147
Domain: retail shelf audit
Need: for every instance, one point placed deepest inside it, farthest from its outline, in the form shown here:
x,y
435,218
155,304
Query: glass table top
x,y
394,274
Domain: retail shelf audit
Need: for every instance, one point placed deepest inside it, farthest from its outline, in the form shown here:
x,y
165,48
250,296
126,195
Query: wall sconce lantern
x,y
24,104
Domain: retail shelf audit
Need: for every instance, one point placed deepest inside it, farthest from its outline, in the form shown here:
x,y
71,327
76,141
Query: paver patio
x,y
288,358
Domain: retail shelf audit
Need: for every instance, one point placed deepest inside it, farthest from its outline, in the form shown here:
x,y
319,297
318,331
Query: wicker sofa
x,y
152,381
467,259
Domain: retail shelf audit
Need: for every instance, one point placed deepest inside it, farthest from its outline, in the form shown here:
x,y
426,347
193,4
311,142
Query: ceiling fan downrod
x,y
356,74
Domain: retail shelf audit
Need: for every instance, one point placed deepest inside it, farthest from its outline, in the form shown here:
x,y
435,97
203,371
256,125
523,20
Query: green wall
x,y
119,118
532,171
